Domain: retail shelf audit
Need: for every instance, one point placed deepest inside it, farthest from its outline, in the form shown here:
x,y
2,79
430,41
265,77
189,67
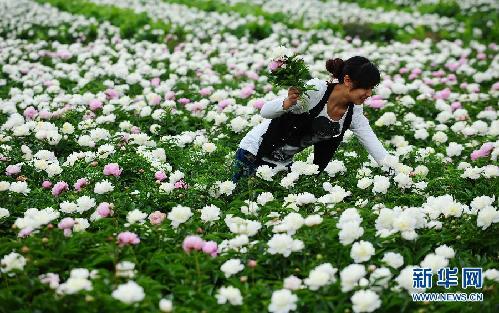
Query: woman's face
x,y
359,95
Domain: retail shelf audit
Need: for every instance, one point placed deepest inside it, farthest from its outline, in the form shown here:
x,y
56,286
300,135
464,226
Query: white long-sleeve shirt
x,y
274,108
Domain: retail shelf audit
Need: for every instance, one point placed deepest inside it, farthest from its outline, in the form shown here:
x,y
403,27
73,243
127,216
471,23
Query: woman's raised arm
x,y
278,106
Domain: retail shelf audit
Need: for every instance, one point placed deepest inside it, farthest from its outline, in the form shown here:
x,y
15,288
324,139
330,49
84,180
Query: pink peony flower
x,y
170,95
211,248
66,223
416,71
375,103
180,185
184,100
442,94
495,86
206,91
30,113
452,77
59,187
413,76
258,104
438,73
155,100
63,54
252,75
160,175
25,232
251,263
50,279
155,82
67,232
111,93
12,170
89,116
157,217
455,105
45,115
274,65
80,183
247,91
104,209
453,66
135,130
484,151
128,238
222,104
46,184
95,104
112,169
192,242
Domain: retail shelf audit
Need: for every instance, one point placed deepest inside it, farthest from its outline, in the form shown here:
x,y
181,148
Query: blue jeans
x,y
246,163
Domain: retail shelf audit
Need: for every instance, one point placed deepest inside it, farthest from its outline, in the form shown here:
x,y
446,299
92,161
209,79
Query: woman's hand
x,y
292,99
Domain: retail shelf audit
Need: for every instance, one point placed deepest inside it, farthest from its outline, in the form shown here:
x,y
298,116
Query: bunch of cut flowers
x,y
287,69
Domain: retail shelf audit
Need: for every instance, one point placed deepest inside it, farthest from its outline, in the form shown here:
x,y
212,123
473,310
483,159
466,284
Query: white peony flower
x,y
381,184
350,232
380,277
179,214
284,244
364,182
365,301
229,294
350,275
282,301
334,167
445,251
265,172
84,204
487,216
209,147
405,279
231,267
68,207
312,220
393,259
165,305
129,293
280,52
103,187
320,276
12,261
136,216
4,213
361,251
292,283
80,224
290,223
435,262
210,213
264,197
125,269
226,187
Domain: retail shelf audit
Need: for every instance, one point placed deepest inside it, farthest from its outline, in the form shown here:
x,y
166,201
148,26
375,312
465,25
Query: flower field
x,y
119,122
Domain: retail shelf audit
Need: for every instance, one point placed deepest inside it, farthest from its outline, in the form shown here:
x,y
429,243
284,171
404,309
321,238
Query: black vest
x,y
288,126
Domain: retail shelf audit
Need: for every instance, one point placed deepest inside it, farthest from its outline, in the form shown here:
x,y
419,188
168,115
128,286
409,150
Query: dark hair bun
x,y
335,67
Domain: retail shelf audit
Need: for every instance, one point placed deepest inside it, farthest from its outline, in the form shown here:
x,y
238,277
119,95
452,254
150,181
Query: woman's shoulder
x,y
317,82
320,86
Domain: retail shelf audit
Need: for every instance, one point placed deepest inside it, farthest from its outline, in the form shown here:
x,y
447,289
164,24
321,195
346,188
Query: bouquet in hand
x,y
287,69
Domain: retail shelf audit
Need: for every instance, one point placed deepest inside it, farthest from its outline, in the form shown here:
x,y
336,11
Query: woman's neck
x,y
338,98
